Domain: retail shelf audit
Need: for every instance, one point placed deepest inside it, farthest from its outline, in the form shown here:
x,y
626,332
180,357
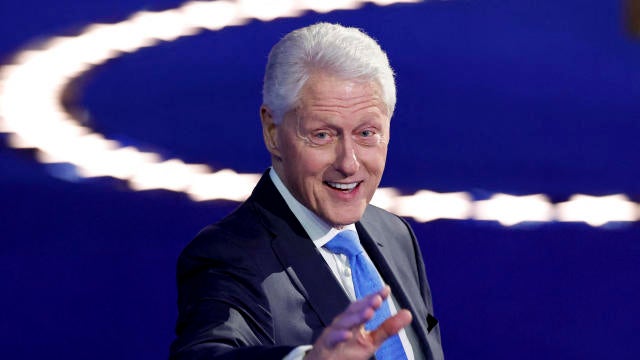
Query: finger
x,y
361,311
373,300
384,292
391,326
354,317
335,336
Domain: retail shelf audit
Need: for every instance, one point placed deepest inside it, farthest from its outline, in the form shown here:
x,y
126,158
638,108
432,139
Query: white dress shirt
x,y
321,233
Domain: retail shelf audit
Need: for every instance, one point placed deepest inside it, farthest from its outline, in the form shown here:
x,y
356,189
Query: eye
x,y
368,137
367,133
321,137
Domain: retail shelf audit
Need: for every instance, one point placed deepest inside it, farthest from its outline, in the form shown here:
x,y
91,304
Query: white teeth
x,y
343,186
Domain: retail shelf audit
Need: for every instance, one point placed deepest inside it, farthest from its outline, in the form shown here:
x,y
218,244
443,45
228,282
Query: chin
x,y
346,219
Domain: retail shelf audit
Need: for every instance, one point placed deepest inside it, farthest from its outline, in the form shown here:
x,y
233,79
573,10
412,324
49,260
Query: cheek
x,y
374,159
306,171
314,160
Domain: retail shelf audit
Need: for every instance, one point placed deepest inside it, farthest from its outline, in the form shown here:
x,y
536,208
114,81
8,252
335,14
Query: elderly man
x,y
299,270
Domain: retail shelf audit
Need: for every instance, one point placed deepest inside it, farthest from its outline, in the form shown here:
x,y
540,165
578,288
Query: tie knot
x,y
346,243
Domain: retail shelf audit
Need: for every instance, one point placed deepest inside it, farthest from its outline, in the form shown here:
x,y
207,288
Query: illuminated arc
x,y
31,111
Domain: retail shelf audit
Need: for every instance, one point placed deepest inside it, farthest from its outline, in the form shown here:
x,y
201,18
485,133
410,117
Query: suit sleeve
x,y
222,311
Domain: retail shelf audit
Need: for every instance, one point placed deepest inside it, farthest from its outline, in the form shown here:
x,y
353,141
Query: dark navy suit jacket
x,y
254,286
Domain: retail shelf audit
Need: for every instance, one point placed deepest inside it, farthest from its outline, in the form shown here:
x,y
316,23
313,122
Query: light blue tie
x,y
366,280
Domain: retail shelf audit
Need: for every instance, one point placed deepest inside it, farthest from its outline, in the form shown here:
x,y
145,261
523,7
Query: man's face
x,y
330,151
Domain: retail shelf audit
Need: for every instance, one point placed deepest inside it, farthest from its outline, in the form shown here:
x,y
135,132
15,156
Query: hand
x,y
346,337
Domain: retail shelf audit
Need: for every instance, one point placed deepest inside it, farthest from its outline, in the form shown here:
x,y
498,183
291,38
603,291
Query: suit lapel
x,y
311,275
379,244
298,255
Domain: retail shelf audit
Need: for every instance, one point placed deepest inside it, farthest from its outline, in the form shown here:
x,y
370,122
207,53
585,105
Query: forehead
x,y
326,93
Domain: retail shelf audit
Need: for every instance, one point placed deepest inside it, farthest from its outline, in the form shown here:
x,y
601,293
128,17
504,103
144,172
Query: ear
x,y
269,131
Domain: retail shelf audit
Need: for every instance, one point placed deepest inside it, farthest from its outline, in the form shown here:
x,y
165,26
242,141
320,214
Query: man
x,y
268,281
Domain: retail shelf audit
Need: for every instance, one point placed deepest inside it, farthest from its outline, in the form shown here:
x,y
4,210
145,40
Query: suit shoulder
x,y
238,231
374,214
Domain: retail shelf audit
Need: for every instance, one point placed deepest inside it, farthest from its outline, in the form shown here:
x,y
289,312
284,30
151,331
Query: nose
x,y
346,161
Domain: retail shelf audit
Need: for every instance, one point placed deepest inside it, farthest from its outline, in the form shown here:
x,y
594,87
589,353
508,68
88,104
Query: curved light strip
x,y
31,112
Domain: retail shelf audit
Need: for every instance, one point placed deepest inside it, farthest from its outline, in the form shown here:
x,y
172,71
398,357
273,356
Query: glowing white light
x,y
213,15
172,175
323,6
598,210
268,10
427,205
79,150
166,25
122,163
224,184
118,38
385,198
510,210
98,43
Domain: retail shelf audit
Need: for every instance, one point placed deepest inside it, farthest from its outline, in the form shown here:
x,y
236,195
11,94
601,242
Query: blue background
x,y
507,96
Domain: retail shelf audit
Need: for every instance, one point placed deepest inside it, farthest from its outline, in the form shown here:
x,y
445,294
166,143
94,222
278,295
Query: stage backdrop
x,y
515,97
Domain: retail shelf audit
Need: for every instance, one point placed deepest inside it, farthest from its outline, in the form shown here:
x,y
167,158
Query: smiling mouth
x,y
342,186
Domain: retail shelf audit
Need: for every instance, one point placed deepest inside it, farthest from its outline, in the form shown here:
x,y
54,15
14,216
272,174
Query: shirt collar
x,y
317,229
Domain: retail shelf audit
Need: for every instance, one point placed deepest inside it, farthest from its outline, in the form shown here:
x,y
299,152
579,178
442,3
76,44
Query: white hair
x,y
345,52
